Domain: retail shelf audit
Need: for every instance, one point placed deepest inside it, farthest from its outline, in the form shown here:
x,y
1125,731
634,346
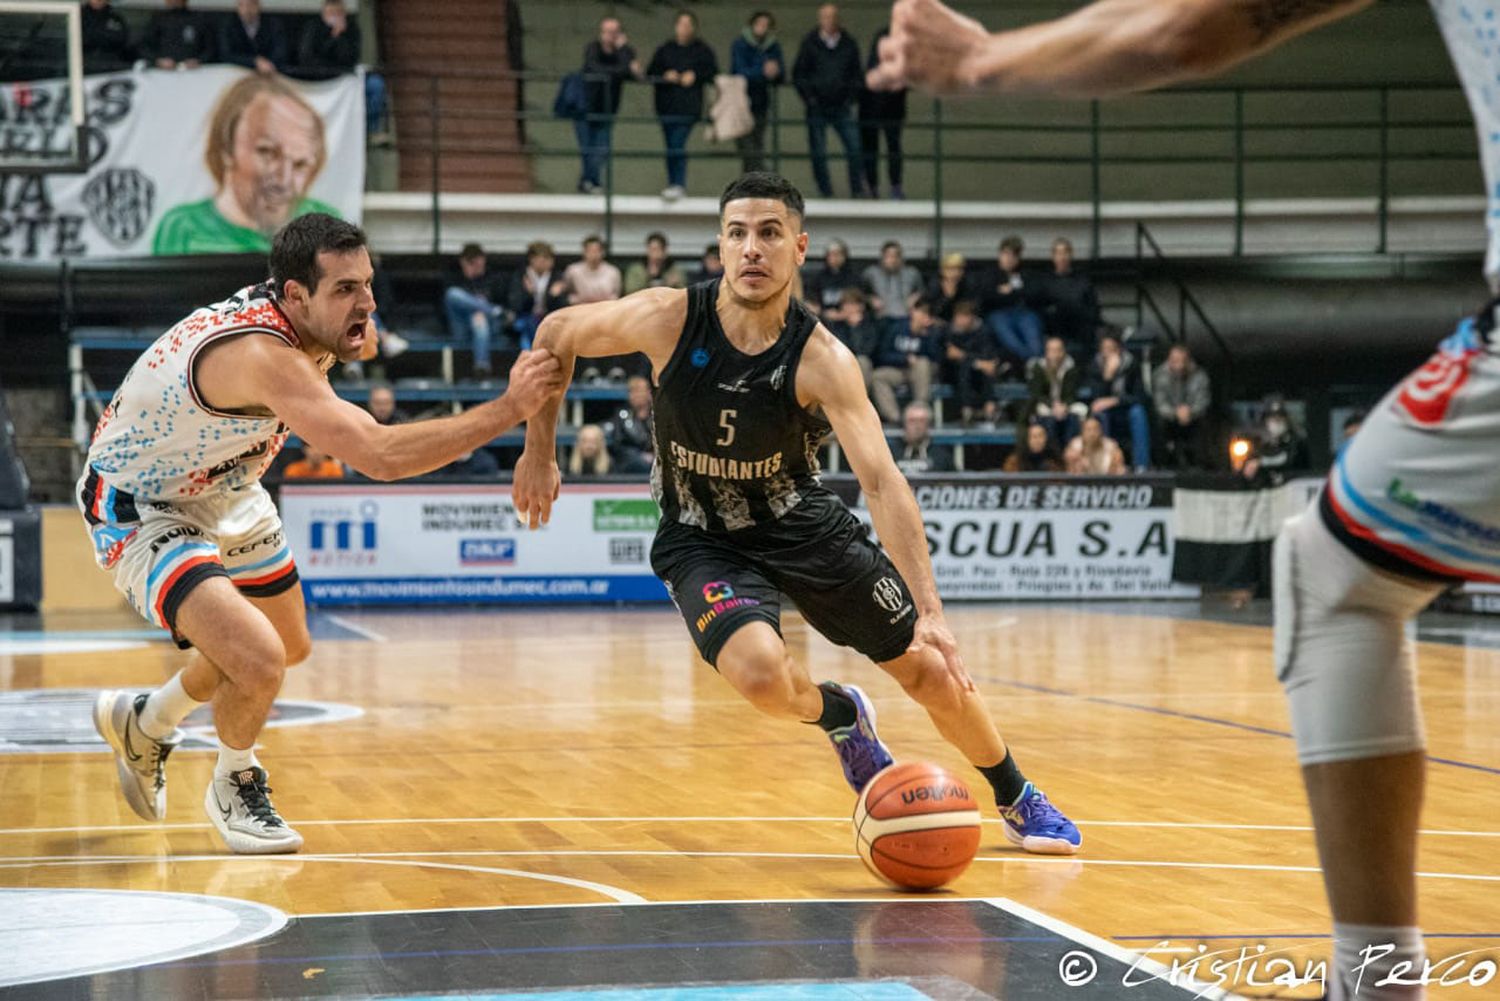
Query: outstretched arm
x,y
257,370
830,375
648,321
1109,47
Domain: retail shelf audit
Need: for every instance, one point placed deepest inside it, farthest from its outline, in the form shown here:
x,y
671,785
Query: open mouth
x,y
357,331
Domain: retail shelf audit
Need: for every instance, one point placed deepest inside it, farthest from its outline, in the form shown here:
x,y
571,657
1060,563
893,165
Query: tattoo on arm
x,y
1269,17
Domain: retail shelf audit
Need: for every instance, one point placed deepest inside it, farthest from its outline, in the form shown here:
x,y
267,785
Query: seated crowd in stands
x,y
178,38
1011,347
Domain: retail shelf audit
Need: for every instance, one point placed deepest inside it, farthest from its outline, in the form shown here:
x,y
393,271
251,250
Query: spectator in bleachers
x,y
1036,453
1006,303
881,112
894,284
479,464
1281,447
474,304
828,76
608,62
916,452
592,279
1092,453
859,331
249,39
314,465
1052,381
825,288
177,38
590,454
1181,393
382,406
265,148
1117,396
1352,424
657,270
756,56
106,39
535,291
948,286
679,70
329,48
1070,304
710,267
908,352
971,364
629,434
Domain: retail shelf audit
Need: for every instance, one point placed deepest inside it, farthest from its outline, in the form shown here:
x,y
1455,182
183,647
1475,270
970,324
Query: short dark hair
x,y
1357,417
966,306
762,14
593,238
685,13
657,237
712,248
925,304
851,295
469,251
539,248
296,246
764,184
887,245
1013,243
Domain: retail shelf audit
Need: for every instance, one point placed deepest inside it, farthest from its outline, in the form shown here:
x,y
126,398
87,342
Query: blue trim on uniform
x,y
1410,531
109,505
282,554
167,561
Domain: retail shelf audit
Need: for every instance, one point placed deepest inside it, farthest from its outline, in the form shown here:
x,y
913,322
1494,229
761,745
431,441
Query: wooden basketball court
x,y
533,758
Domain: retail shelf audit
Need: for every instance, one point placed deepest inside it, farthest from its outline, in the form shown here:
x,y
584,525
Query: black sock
x,y
1006,779
838,709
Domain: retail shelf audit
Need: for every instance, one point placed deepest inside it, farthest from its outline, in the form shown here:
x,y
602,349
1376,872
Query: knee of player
x,y
931,683
258,662
298,648
764,679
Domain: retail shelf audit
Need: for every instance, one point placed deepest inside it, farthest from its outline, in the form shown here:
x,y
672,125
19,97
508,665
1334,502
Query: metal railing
x,y
1240,143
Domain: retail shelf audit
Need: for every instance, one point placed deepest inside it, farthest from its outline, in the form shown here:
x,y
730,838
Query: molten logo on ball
x,y
916,826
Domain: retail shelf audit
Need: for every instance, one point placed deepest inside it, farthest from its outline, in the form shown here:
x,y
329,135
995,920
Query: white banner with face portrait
x,y
201,161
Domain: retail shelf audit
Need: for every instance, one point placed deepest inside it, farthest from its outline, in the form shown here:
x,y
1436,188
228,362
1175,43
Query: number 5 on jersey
x,y
726,421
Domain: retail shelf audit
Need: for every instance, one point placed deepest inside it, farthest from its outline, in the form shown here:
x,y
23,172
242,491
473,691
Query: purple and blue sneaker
x,y
1039,827
860,750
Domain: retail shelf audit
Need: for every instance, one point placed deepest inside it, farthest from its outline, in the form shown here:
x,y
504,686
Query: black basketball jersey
x,y
734,448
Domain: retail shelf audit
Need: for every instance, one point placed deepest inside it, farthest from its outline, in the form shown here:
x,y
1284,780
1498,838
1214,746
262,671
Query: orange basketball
x,y
916,826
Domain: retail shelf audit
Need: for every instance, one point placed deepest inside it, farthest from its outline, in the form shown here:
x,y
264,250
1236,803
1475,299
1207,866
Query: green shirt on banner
x,y
198,228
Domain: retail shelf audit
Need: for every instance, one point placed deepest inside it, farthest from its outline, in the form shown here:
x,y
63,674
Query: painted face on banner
x,y
274,160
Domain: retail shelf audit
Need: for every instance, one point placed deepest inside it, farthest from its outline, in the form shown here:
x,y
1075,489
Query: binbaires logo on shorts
x,y
719,596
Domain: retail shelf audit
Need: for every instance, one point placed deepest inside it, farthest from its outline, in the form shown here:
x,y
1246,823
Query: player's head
x,y
761,240
321,271
265,148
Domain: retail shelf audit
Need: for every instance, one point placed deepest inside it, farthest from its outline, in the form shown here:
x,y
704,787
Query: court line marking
x,y
354,628
1118,953
400,821
613,892
51,861
1265,731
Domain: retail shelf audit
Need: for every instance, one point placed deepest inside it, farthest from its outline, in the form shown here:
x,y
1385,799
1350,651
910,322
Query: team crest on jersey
x,y
1427,394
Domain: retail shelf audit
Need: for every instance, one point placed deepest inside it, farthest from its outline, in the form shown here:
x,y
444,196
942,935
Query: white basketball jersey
x,y
158,440
1472,30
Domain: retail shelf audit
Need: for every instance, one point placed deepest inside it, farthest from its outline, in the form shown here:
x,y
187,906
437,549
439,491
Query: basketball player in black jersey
x,y
748,385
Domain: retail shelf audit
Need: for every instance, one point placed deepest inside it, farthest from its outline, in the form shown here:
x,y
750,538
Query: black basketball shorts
x,y
838,578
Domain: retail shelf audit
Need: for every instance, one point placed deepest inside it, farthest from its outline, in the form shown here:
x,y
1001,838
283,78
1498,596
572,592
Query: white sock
x,y
166,707
232,760
1364,955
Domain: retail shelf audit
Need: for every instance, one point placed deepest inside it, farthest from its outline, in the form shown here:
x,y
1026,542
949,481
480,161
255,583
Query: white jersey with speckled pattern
x,y
158,440
1472,30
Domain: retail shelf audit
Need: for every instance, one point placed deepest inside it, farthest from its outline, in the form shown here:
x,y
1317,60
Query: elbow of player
x,y
549,332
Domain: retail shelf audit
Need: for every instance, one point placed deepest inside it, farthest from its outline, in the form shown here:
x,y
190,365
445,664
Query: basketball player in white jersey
x,y
1412,505
172,496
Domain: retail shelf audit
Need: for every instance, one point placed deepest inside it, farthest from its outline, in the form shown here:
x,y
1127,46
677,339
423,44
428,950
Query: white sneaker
x,y
393,345
239,804
673,192
139,760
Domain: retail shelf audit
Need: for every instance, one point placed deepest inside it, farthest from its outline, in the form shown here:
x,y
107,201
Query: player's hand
x,y
932,633
535,485
930,46
535,376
